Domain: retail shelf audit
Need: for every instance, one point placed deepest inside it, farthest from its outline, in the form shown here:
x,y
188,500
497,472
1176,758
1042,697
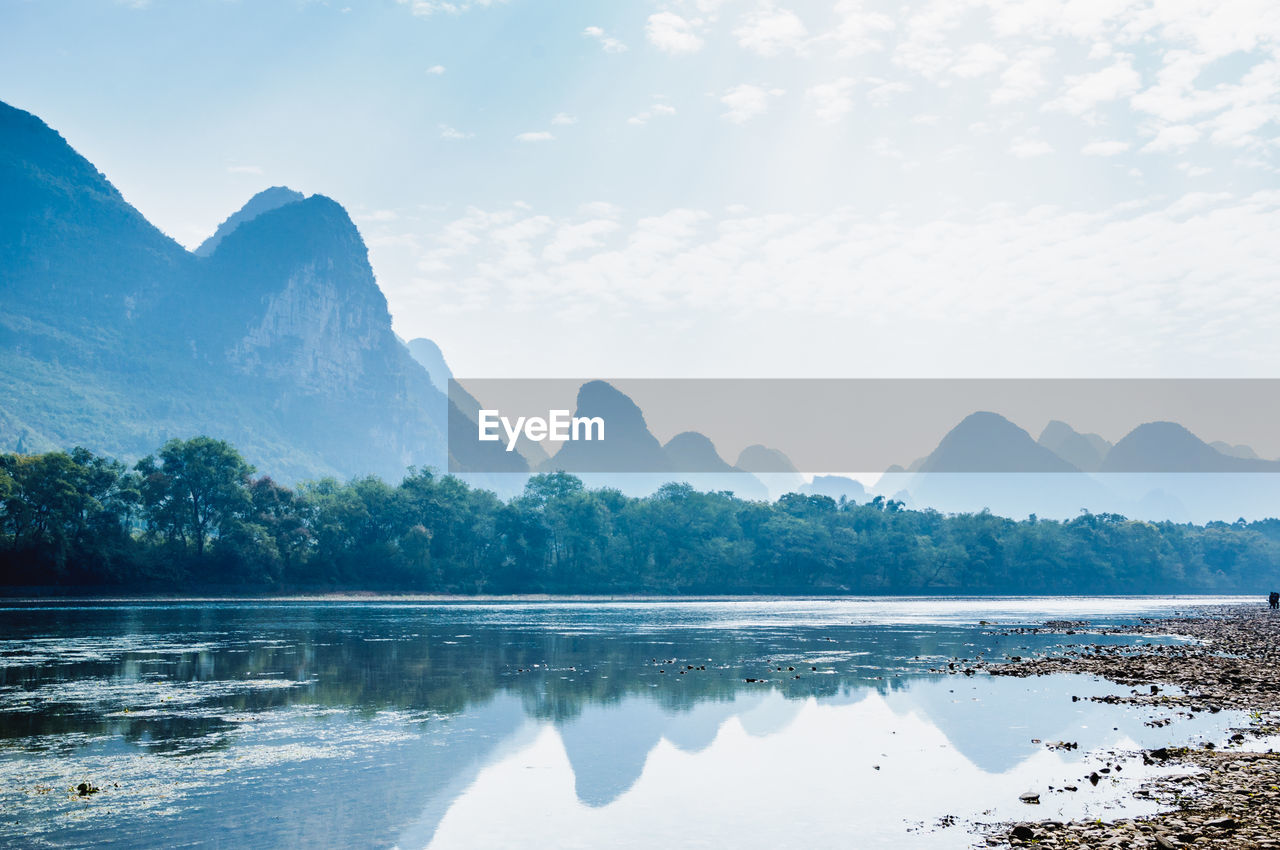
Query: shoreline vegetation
x,y
1224,796
195,518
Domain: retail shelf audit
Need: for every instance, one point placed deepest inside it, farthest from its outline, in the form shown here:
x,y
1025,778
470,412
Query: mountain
x,y
1156,472
759,458
264,201
835,486
1083,451
987,442
277,338
628,445
690,451
772,468
1169,447
986,461
693,458
431,358
1241,450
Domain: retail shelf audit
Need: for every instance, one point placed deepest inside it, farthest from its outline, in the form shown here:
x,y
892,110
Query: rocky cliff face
x,y
276,337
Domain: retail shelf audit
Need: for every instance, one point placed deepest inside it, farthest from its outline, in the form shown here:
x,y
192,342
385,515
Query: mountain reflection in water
x,y
413,725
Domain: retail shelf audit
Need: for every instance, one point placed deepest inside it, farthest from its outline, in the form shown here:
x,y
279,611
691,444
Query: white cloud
x,y
572,238
884,92
1175,138
436,70
857,30
1084,92
978,60
831,101
535,136
1234,112
671,33
608,43
746,101
769,31
447,132
1028,146
563,119
1024,78
426,8
1163,285
657,110
1104,147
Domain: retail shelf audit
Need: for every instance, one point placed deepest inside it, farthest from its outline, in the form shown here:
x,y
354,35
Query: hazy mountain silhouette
x,y
116,338
1083,451
431,358
772,468
987,442
759,458
1228,449
628,445
264,201
690,451
693,458
986,461
835,486
1169,447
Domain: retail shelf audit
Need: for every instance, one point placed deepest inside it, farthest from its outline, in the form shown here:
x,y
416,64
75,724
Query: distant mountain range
x,y
632,458
273,334
1159,470
986,442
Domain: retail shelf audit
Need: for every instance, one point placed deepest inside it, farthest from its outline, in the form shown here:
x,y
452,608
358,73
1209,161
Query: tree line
x,y
195,515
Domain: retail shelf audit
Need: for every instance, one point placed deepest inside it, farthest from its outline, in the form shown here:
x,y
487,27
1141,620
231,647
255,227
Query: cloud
x,y
437,70
563,119
831,101
1104,147
535,136
1164,285
1028,146
427,8
1086,91
883,93
1175,138
768,31
671,33
608,43
657,110
244,169
746,101
978,60
856,30
572,238
1024,78
447,132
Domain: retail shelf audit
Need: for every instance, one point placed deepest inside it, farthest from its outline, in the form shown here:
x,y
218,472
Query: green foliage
x,y
199,489
194,516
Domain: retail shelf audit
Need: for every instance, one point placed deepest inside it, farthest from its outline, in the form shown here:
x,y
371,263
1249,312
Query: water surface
x,y
385,723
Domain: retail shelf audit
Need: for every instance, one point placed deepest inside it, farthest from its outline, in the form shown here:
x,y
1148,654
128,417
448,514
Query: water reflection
x,y
460,726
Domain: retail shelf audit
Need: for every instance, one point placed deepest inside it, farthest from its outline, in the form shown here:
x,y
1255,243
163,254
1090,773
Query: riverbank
x,y
1222,796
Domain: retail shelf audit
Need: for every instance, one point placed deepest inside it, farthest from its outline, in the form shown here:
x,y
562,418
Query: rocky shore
x,y
1227,796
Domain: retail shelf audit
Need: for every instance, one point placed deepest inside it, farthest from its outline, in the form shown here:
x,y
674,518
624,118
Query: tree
x,y
198,488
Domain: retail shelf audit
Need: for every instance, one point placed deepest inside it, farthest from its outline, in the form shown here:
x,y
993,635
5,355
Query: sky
x,y
723,188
